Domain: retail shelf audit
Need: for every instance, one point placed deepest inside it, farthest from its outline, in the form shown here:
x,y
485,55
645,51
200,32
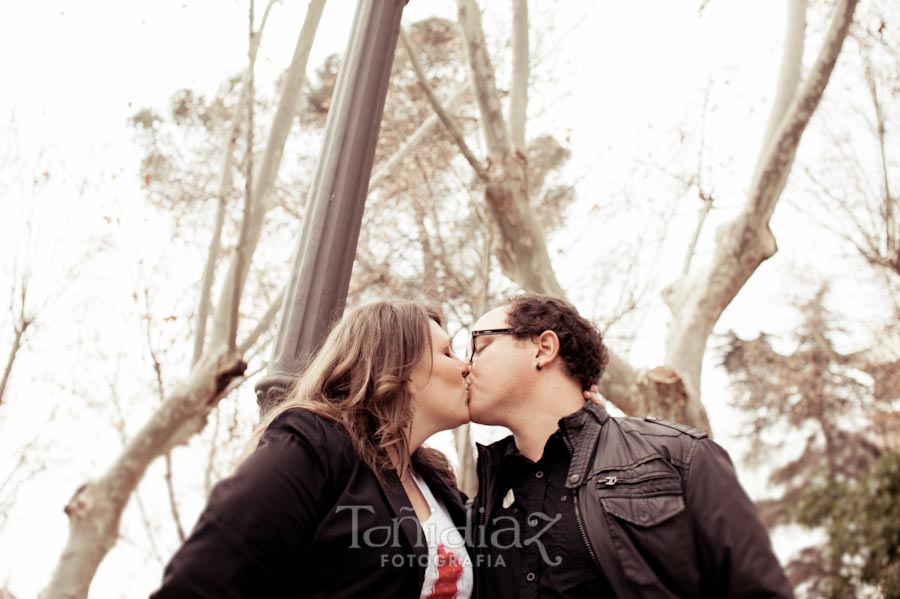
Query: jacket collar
x,y
581,428
583,431
405,514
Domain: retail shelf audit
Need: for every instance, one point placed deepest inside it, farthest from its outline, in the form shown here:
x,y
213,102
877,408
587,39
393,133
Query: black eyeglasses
x,y
476,334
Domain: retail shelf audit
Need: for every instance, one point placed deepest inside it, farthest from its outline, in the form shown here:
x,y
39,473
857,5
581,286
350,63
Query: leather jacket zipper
x,y
476,590
584,537
609,481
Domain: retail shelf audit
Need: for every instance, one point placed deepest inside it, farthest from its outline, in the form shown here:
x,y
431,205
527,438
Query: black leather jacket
x,y
659,508
303,516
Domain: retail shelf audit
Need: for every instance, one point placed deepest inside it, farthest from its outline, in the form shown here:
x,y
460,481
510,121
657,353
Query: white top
x,y
448,574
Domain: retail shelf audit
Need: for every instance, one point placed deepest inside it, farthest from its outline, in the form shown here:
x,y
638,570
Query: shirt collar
x,y
569,427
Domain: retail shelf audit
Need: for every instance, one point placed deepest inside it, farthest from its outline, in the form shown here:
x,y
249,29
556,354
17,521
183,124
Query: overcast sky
x,y
74,72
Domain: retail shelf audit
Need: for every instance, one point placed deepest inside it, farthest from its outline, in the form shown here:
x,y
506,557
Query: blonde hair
x,y
359,379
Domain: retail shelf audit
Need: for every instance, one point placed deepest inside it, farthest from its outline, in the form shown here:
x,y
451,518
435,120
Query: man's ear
x,y
547,348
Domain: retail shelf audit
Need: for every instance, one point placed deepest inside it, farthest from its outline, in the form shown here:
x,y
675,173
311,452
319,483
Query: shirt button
x,y
564,498
539,474
574,478
530,577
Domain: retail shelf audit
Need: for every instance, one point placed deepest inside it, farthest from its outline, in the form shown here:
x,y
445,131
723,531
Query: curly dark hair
x,y
580,343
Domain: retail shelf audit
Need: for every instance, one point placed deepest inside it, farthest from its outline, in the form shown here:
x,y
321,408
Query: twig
x,y
263,325
225,181
387,167
451,127
518,97
240,250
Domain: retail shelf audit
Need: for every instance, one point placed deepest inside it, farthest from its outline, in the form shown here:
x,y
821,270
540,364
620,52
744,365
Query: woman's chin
x,y
457,422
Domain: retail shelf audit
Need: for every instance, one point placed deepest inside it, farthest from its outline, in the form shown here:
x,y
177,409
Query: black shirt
x,y
534,546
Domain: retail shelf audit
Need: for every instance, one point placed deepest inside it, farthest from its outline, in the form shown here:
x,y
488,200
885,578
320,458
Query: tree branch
x,y
225,180
268,168
789,76
208,474
493,124
263,325
767,186
160,390
413,141
142,510
21,325
743,244
706,198
518,99
240,256
173,501
96,507
892,244
704,212
439,109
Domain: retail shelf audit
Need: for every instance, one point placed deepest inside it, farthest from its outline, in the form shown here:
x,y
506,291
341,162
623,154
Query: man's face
x,y
500,366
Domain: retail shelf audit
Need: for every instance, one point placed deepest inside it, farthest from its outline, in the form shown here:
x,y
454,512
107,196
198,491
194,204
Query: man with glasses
x,y
578,504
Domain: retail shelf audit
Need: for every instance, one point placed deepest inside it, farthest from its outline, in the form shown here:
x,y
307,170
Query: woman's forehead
x,y
438,335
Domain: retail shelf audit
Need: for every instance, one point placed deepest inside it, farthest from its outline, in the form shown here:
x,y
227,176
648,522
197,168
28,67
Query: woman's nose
x,y
465,367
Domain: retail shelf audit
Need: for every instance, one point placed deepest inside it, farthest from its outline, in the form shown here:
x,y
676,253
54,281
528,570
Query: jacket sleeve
x,y
733,545
259,521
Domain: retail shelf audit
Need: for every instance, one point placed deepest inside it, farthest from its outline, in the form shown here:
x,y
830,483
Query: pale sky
x,y
614,78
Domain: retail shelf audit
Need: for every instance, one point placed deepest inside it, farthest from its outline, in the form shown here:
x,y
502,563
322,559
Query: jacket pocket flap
x,y
644,511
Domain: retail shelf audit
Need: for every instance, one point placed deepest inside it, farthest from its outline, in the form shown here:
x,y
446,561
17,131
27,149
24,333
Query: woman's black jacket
x,y
304,517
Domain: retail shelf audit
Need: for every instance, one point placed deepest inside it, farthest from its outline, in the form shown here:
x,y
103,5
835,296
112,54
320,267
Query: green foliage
x,y
840,407
862,520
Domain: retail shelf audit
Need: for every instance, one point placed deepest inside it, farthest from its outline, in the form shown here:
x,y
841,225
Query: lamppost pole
x,y
320,275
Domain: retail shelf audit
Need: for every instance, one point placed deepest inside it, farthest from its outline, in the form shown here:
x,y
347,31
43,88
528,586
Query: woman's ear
x,y
547,348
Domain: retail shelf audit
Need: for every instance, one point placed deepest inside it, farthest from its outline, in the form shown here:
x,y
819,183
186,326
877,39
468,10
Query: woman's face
x,y
439,390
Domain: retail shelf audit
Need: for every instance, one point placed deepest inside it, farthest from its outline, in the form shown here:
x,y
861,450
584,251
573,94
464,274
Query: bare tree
x,y
96,507
697,299
867,199
24,307
445,239
21,322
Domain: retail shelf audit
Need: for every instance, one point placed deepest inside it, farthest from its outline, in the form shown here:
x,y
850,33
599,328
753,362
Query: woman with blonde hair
x,y
339,498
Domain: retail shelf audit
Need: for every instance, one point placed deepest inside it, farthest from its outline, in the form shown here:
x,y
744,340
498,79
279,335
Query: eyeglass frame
x,y
482,333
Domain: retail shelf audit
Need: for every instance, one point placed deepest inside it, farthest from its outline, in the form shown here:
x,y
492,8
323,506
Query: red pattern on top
x,y
449,573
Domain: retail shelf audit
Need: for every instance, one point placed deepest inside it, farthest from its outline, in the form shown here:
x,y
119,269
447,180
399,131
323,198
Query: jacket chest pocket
x,y
646,495
645,512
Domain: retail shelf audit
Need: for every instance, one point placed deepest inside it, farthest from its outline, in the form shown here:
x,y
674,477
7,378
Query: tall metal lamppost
x,y
320,274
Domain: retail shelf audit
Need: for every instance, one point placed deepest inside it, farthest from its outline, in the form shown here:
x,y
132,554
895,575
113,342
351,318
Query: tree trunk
x,y
95,509
522,249
268,170
518,95
225,182
742,245
696,301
